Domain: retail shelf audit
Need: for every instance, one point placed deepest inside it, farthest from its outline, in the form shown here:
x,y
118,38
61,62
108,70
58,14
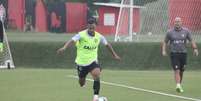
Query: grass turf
x,y
55,85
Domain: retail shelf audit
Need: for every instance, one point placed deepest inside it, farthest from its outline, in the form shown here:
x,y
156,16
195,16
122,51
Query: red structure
x,y
188,10
105,29
76,16
101,27
16,13
41,17
76,19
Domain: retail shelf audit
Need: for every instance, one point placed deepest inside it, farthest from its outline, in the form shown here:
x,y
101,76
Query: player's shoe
x,y
95,98
179,89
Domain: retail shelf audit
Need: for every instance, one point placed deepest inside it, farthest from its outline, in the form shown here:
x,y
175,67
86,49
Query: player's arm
x,y
66,45
114,54
109,47
164,45
195,48
69,43
193,44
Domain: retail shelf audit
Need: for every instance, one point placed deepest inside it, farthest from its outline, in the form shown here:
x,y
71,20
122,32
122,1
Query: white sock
x,y
95,96
178,85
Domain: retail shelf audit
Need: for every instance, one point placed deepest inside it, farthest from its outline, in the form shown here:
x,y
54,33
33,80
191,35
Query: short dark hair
x,y
91,21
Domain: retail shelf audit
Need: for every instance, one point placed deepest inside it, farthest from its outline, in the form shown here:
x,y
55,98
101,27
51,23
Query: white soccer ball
x,y
102,99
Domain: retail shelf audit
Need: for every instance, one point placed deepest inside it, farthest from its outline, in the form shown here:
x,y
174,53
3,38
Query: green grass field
x,y
56,85
24,84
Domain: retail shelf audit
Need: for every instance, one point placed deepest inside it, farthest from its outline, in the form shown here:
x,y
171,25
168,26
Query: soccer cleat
x,y
179,89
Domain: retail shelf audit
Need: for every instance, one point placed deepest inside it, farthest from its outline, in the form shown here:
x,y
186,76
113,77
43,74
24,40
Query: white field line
x,y
141,89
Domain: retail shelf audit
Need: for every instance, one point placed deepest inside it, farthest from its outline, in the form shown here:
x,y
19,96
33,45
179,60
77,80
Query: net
x,y
150,22
124,25
6,60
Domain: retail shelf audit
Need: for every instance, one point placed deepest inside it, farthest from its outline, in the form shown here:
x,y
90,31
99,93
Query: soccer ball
x,y
102,99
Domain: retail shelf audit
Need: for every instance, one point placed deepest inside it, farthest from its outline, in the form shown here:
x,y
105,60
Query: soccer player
x,y
87,43
2,17
1,36
177,38
2,12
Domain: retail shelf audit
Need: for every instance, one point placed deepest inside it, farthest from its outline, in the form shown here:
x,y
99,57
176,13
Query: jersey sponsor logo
x,y
178,41
90,47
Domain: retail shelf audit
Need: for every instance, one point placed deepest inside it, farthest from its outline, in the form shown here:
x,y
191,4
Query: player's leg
x,y
96,77
82,81
178,79
95,72
181,73
82,73
96,86
183,59
176,67
177,75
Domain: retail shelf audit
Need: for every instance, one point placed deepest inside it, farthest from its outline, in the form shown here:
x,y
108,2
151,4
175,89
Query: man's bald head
x,y
178,23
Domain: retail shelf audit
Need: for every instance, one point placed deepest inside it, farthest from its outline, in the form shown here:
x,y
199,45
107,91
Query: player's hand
x,y
164,53
61,50
195,52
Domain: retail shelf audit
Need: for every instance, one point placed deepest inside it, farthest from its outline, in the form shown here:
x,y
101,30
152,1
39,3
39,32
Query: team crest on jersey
x,y
95,40
183,35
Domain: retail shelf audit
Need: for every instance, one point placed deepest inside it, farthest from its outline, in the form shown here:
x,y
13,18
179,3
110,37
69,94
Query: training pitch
x,y
117,85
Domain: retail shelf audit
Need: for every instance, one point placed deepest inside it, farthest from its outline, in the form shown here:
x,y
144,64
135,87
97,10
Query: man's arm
x,y
164,45
69,43
109,47
66,45
114,54
195,48
193,44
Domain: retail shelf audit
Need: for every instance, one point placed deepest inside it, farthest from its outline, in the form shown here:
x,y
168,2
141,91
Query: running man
x,y
177,39
87,43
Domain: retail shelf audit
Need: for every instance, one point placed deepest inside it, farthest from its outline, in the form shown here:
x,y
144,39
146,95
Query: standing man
x,y
177,39
2,17
2,12
87,43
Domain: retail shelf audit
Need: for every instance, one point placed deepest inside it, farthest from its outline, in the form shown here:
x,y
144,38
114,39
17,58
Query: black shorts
x,y
84,70
178,60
